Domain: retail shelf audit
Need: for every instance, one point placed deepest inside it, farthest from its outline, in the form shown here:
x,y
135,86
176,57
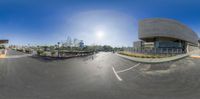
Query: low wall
x,y
191,48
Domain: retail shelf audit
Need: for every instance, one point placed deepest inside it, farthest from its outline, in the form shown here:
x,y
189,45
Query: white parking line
x,y
116,74
128,68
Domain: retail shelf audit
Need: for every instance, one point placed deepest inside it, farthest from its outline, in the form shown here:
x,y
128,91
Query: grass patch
x,y
141,55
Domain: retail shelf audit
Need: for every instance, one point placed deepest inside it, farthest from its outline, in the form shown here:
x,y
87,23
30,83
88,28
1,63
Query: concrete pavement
x,y
155,60
92,77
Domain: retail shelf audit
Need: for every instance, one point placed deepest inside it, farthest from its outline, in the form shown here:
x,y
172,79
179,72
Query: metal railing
x,y
162,51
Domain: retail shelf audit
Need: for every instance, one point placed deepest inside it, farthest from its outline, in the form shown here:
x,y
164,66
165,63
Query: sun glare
x,y
99,35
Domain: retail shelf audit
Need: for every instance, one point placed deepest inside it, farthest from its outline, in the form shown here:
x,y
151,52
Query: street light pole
x,y
58,49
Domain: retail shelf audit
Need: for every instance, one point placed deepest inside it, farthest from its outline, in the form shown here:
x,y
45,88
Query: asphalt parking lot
x,y
101,76
166,80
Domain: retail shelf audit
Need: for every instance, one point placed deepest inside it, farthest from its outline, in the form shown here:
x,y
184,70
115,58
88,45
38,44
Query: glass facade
x,y
168,44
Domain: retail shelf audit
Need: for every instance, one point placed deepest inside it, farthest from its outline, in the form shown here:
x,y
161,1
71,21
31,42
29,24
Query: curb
x,y
153,61
57,58
194,56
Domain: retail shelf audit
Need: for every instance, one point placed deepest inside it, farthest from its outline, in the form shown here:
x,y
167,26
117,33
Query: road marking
x,y
128,68
116,74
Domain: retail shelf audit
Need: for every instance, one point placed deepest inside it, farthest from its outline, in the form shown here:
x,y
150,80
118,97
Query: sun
x,y
100,35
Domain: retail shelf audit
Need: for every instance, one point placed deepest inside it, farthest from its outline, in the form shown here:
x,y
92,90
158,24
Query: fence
x,y
162,51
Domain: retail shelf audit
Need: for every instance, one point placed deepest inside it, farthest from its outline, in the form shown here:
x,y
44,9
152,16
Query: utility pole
x,y
58,49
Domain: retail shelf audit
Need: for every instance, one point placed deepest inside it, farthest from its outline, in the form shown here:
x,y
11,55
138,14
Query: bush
x,y
44,54
40,52
53,53
140,55
28,51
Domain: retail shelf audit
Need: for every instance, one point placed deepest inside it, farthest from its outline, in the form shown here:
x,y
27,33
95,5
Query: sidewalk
x,y
155,60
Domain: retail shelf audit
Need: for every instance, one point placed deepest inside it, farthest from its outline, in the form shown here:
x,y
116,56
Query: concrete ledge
x,y
158,60
58,58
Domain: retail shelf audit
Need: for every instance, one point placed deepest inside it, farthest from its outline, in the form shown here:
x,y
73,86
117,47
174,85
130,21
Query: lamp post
x,y
58,49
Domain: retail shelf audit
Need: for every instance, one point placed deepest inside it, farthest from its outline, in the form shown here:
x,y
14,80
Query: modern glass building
x,y
167,33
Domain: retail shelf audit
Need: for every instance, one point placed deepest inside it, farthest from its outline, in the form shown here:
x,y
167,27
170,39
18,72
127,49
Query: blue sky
x,y
41,22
